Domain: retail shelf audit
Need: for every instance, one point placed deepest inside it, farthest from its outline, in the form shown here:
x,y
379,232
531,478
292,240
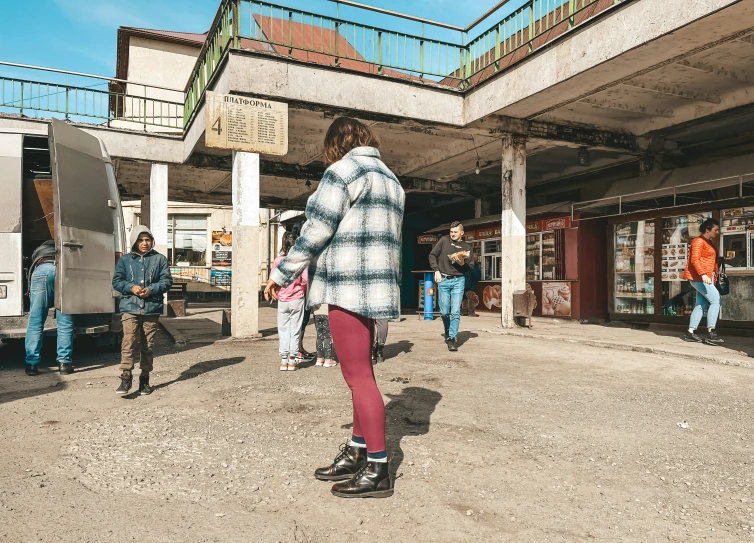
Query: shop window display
x,y
678,296
634,268
545,256
738,238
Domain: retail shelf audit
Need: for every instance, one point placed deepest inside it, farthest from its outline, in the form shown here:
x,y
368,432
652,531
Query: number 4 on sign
x,y
218,126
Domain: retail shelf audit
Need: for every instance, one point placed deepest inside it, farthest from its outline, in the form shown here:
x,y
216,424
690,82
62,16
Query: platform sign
x,y
246,124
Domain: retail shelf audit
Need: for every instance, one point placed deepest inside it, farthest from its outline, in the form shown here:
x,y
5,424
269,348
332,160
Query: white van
x,y
59,184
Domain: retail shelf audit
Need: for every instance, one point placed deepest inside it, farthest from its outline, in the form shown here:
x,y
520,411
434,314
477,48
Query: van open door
x,y
83,222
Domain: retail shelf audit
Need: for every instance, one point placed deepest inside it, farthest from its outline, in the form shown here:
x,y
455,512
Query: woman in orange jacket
x,y
701,271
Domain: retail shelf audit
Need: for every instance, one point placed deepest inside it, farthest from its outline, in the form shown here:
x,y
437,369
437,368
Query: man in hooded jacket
x,y
142,277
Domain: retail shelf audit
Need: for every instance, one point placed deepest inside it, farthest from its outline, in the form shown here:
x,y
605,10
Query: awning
x,y
725,173
561,207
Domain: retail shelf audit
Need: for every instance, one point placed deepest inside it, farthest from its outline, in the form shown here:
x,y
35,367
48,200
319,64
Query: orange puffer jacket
x,y
702,260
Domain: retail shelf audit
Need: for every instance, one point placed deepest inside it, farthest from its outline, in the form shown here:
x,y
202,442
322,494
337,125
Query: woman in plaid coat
x,y
351,245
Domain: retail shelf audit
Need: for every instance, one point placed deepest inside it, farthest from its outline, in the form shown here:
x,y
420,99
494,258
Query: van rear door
x,y
83,222
11,254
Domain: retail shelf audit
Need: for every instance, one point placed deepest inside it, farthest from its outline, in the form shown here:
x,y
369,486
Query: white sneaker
x,y
292,364
320,362
284,364
330,363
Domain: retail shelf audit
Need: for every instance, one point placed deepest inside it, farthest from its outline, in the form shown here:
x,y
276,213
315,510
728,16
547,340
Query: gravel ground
x,y
510,439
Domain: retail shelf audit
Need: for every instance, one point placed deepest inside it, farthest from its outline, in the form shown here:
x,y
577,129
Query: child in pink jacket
x,y
290,311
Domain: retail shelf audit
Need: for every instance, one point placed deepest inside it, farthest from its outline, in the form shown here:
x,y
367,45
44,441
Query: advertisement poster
x,y
221,278
556,299
222,249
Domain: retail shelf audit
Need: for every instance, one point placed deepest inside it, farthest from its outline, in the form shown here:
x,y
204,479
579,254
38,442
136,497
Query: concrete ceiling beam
x,y
555,132
740,76
639,110
676,92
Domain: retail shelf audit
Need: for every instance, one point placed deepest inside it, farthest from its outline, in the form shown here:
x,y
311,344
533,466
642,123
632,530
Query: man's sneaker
x,y
126,380
692,337
292,364
144,387
32,369
284,364
452,344
66,368
714,338
303,356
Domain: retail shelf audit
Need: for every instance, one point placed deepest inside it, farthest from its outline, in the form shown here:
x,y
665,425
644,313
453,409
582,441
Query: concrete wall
x,y
163,64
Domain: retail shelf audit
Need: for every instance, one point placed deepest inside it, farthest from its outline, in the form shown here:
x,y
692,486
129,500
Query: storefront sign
x,y
471,236
556,224
221,277
532,227
246,124
486,234
427,240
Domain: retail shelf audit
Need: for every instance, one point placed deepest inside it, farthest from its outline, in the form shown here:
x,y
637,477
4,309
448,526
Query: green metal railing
x,y
74,101
521,29
278,29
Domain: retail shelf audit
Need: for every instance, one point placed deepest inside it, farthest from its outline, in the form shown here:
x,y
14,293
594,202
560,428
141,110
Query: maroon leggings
x,y
352,336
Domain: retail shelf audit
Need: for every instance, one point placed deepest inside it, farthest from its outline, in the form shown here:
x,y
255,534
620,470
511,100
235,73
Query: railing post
x,y
497,48
236,24
531,26
337,43
571,13
421,58
67,92
22,97
379,52
290,33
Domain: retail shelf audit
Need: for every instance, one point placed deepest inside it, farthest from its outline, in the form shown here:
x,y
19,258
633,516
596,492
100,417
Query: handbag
x,y
722,283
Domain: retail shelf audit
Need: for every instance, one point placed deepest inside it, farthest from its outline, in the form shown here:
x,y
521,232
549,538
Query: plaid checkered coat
x,y
351,240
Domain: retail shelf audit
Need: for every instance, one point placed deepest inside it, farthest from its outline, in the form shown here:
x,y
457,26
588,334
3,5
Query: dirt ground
x,y
510,439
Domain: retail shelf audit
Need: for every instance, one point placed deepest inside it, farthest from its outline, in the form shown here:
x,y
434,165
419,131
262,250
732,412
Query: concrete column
x,y
144,213
481,208
513,223
245,285
158,207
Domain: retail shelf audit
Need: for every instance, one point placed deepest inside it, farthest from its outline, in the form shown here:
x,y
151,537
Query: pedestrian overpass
x,y
509,103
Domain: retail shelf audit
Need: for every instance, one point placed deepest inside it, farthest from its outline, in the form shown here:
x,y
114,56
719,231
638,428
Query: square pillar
x,y
513,234
245,284
158,207
481,208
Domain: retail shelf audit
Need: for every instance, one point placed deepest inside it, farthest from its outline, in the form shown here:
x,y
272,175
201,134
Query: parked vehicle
x,y
60,185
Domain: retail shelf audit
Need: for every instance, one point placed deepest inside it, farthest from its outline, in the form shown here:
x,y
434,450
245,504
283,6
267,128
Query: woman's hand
x,y
272,290
706,279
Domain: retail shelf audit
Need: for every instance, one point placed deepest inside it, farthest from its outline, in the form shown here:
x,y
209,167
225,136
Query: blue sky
x,y
80,35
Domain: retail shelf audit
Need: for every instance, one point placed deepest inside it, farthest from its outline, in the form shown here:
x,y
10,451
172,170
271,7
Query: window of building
x,y
491,260
738,238
187,240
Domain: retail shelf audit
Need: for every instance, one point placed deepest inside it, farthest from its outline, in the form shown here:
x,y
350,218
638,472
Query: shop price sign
x,y
427,240
246,124
485,234
471,236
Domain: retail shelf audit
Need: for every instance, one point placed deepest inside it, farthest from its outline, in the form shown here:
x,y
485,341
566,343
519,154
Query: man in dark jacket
x,y
449,259
142,278
41,282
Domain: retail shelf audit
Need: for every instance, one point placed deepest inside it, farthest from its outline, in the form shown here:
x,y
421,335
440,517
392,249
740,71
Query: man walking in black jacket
x,y
449,259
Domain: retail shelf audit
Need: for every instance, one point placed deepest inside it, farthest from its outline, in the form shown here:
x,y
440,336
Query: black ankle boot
x,y
372,481
345,466
380,357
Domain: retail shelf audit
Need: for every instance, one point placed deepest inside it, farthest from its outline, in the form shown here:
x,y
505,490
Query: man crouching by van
x,y
41,298
142,278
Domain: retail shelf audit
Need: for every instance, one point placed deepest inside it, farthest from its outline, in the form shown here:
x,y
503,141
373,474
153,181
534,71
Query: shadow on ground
x,y
201,368
408,414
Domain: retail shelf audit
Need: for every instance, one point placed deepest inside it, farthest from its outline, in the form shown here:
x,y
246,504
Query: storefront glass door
x,y
634,268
